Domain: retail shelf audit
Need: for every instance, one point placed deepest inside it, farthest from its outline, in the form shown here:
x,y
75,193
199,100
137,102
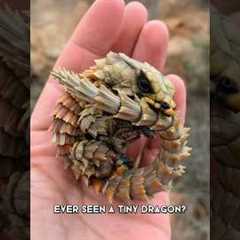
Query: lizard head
x,y
141,81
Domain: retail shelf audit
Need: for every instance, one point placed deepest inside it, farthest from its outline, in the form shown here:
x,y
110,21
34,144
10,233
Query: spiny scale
x,y
101,112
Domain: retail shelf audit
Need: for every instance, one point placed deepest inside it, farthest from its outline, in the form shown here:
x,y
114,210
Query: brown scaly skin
x,y
103,110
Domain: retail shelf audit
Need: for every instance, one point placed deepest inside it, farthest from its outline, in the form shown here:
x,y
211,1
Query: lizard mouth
x,y
163,108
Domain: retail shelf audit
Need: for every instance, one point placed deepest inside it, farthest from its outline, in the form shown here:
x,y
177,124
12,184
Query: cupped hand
x,y
108,25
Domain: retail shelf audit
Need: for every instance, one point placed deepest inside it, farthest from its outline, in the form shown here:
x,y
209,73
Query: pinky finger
x,y
180,96
180,99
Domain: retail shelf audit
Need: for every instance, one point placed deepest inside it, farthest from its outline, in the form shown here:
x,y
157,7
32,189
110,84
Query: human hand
x,y
108,25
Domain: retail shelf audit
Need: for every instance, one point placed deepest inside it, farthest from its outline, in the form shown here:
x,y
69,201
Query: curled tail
x,y
143,183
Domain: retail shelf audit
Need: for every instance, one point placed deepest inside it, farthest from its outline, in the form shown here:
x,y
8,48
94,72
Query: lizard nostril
x,y
157,105
165,105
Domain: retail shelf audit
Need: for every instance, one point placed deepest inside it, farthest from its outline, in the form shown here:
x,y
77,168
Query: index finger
x,y
92,38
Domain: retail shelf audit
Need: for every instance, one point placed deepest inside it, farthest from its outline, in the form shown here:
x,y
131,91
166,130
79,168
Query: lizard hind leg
x,y
141,183
100,167
91,159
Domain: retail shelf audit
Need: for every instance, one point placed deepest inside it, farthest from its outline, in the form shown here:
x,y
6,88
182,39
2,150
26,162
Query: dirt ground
x,y
188,23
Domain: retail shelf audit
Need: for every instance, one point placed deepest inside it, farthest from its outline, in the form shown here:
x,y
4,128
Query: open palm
x,y
108,25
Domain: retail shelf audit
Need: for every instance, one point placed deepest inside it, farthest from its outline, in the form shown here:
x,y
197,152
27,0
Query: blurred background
x,y
225,119
188,22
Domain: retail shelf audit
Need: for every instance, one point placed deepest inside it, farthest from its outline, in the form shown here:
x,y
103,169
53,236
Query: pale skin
x,y
108,25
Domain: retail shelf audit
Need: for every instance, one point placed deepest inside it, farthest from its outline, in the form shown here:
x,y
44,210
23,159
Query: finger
x,y
100,27
180,95
151,47
94,36
152,44
135,16
135,147
150,154
180,99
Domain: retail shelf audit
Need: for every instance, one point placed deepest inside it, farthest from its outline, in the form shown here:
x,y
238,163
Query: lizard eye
x,y
143,83
226,85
